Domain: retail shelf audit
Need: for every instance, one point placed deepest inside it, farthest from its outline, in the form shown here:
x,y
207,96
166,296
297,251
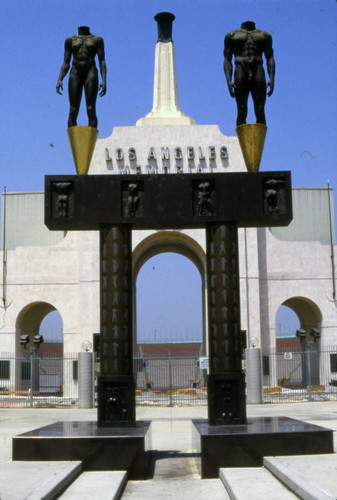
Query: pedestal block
x,y
98,449
116,401
226,398
217,446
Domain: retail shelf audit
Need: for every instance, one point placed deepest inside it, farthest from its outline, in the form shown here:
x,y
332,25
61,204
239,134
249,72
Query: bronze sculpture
x,y
83,47
247,44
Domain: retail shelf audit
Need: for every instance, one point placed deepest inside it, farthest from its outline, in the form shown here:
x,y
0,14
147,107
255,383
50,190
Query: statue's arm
x,y
227,65
270,61
65,66
102,65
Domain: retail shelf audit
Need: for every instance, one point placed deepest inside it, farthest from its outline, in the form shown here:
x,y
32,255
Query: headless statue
x,y
83,48
247,44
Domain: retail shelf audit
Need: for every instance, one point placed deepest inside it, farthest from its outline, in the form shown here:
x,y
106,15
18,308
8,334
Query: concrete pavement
x,y
175,474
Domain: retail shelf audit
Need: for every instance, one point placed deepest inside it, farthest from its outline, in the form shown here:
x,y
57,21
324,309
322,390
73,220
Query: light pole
x,y
37,341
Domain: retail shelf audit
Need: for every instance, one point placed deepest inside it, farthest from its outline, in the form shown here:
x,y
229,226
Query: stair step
x,y
105,485
311,477
253,483
60,475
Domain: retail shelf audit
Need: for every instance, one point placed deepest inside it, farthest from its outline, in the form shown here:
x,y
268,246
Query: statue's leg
x,y
241,94
259,93
91,89
75,88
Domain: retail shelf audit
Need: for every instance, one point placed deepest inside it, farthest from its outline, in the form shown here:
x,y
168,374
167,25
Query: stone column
x,y
226,384
116,391
254,376
86,393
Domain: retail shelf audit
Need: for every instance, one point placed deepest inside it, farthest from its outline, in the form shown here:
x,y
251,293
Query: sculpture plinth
x,y
251,139
82,142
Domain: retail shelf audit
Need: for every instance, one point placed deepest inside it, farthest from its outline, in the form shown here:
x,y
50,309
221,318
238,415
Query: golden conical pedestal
x,y
251,138
82,142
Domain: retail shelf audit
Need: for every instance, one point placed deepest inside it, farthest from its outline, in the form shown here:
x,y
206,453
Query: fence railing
x,y
170,381
34,381
49,380
308,373
305,374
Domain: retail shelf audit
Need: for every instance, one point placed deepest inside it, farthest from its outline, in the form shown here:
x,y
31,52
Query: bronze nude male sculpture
x,y
247,44
83,47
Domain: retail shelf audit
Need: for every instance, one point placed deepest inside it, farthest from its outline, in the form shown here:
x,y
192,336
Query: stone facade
x,y
65,275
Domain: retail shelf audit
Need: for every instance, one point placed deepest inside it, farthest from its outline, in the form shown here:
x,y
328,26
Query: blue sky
x,y
301,114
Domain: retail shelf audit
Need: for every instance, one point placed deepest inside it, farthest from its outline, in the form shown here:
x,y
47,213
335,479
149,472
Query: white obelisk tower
x,y
165,110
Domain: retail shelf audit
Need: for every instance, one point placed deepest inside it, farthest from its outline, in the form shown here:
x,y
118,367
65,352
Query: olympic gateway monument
x,y
144,196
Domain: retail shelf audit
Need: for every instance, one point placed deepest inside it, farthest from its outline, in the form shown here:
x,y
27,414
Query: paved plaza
x,y
174,471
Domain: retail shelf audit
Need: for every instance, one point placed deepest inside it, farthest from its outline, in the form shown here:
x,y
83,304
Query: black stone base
x,y
226,399
217,446
98,448
116,401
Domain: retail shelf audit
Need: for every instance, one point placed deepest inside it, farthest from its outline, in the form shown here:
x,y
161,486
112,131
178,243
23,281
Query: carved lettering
x,y
119,154
152,155
132,154
211,153
165,153
223,153
178,154
201,154
107,155
190,153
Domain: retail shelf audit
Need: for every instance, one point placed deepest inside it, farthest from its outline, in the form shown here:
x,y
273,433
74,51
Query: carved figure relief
x,y
204,202
132,199
274,196
62,205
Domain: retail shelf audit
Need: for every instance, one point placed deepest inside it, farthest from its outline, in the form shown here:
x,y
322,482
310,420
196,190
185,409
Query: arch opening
x,y
168,245
40,368
169,300
298,362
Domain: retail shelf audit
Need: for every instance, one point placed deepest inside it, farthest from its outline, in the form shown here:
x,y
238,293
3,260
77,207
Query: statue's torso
x,y
248,46
84,50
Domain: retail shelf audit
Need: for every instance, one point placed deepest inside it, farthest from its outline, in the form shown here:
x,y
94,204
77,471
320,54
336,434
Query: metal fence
x,y
308,373
38,381
170,381
41,381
